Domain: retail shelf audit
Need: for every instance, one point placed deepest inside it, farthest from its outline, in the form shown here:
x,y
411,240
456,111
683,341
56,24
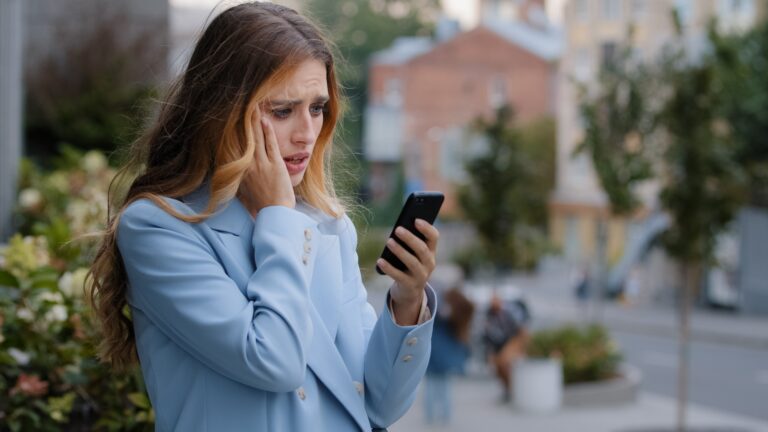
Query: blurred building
x,y
424,92
593,31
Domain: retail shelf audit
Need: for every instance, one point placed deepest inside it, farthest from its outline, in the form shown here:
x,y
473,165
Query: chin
x,y
296,179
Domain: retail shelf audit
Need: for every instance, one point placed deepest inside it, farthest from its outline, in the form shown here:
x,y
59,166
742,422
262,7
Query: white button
x,y
308,234
307,247
359,386
407,358
301,393
305,259
412,341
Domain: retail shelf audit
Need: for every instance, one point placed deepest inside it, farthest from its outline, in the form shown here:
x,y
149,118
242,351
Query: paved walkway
x,y
476,410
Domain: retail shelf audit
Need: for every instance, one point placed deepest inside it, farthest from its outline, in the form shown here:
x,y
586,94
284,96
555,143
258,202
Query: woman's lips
x,y
296,164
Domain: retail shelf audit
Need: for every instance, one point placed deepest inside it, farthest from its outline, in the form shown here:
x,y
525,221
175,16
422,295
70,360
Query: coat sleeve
x,y
258,338
396,357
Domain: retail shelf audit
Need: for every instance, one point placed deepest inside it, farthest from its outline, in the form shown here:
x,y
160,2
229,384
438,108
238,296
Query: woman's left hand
x,y
409,285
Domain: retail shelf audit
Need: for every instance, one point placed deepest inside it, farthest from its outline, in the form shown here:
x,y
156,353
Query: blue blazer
x,y
262,324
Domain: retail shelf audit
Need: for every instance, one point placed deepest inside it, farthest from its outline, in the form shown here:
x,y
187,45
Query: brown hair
x,y
200,134
461,311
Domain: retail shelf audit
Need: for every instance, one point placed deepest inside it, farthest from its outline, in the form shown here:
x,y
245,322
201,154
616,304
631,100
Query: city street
x,y
728,381
730,378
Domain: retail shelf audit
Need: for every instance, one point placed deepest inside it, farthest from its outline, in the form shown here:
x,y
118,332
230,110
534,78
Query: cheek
x,y
282,134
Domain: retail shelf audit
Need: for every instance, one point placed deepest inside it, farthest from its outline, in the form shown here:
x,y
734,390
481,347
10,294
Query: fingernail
x,y
400,230
380,262
390,242
420,222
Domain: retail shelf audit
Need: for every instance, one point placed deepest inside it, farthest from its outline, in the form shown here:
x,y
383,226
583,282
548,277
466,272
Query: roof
x,y
403,49
546,43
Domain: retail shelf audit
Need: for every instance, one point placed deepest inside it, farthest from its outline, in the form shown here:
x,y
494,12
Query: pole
x,y
11,42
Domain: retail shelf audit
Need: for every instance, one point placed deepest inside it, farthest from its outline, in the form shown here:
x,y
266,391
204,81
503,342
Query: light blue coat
x,y
263,324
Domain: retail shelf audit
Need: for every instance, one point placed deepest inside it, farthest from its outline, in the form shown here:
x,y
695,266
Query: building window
x,y
582,10
497,92
607,53
611,10
392,92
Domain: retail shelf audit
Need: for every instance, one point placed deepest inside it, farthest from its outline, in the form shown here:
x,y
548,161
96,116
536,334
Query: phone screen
x,y
419,205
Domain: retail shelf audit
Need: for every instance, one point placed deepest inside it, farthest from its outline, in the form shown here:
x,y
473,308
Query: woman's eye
x,y
281,113
317,109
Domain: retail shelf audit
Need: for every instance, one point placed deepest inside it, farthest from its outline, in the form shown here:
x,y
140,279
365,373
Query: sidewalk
x,y
476,410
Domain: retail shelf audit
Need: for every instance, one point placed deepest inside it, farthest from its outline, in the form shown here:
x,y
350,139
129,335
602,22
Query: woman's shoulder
x,y
147,212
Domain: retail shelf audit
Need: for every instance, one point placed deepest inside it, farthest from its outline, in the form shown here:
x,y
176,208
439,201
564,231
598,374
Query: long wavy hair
x,y
200,135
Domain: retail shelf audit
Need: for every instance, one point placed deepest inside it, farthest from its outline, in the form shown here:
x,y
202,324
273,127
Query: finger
x,y
416,244
273,150
411,262
396,274
258,134
430,232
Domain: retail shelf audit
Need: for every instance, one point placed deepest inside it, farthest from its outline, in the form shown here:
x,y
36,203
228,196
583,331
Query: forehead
x,y
308,80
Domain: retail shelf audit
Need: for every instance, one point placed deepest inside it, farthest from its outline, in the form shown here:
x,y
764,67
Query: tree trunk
x,y
690,280
597,284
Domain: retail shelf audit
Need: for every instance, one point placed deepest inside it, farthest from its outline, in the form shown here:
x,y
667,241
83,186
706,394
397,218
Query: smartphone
x,y
419,205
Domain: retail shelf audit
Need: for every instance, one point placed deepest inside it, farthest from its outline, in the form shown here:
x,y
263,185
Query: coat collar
x,y
230,217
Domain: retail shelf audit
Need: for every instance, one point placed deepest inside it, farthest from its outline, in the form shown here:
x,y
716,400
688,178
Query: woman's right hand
x,y
266,183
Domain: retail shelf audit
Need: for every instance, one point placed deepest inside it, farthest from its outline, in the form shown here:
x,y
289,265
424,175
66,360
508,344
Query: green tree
x,y
618,127
703,185
505,195
742,65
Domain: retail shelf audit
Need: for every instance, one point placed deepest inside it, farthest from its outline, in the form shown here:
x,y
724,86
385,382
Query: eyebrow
x,y
292,102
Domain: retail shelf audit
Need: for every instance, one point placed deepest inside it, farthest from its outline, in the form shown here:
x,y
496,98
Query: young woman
x,y
236,260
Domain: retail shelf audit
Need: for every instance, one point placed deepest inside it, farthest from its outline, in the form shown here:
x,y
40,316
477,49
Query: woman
x,y
236,260
450,352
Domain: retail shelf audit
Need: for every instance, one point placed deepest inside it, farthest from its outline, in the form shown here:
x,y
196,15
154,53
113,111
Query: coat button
x,y
300,392
359,387
305,259
412,341
407,358
307,247
308,234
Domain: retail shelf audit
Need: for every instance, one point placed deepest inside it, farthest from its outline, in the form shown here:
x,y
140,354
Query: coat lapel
x,y
323,357
326,362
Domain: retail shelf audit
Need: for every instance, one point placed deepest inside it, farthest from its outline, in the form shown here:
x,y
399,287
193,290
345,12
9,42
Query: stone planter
x,y
538,384
621,389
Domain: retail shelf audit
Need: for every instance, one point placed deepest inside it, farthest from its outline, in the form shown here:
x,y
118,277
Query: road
x,y
727,377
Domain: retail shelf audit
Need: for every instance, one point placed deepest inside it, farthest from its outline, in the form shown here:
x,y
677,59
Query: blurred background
x,y
604,162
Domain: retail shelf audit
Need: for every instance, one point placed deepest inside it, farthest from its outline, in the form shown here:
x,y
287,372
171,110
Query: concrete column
x,y
11,22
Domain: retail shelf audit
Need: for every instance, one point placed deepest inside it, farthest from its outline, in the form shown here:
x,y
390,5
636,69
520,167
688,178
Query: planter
x,y
621,389
538,384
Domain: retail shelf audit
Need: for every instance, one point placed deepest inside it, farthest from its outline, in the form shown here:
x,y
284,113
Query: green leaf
x,y
8,280
140,400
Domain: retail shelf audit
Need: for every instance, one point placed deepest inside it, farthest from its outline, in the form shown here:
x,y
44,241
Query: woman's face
x,y
296,111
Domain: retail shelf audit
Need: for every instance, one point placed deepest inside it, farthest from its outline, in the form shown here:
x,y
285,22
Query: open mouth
x,y
296,163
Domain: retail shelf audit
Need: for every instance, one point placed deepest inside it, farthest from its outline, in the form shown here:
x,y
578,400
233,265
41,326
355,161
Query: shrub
x,y
588,354
50,378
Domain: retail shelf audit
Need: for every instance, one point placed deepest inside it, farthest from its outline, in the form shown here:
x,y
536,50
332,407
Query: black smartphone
x,y
419,205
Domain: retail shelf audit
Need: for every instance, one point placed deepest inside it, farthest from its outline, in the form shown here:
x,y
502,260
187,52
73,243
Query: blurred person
x,y
506,336
230,265
450,351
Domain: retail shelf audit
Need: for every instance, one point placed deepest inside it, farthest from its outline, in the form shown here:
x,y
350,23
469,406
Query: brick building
x,y
423,93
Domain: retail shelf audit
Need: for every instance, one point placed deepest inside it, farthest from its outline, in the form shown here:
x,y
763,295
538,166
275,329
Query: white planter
x,y
538,384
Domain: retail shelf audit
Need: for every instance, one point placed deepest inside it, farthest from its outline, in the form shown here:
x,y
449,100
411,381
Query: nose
x,y
305,131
